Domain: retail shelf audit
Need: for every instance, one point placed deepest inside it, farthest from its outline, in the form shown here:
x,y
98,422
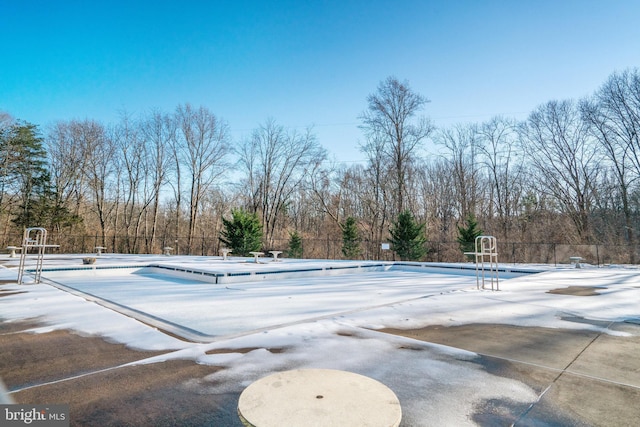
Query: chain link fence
x,y
508,252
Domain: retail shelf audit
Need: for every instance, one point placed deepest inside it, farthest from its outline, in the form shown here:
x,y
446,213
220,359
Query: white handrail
x,y
486,256
38,241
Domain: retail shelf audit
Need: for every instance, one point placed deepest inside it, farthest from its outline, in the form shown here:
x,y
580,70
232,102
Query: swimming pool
x,y
221,299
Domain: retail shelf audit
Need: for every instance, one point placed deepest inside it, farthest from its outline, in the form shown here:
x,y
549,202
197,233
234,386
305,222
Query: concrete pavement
x,y
583,378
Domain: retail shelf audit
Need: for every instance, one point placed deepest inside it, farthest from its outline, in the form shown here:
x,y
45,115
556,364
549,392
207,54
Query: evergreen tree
x,y
24,174
467,234
295,245
350,239
407,237
242,233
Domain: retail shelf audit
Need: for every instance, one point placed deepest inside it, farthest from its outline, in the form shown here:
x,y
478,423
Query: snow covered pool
x,y
207,302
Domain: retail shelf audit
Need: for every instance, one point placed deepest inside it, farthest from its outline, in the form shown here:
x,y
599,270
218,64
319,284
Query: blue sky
x,y
306,62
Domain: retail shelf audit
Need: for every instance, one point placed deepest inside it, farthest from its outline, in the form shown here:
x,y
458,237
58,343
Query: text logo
x,y
34,415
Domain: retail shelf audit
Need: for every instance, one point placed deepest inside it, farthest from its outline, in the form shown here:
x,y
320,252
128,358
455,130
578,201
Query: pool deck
x,y
581,376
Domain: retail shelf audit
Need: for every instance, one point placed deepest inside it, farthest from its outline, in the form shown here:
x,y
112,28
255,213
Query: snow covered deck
x,y
252,329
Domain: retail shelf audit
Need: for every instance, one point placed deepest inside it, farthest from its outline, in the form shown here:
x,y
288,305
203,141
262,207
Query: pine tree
x,y
467,234
24,172
295,245
350,239
242,233
407,237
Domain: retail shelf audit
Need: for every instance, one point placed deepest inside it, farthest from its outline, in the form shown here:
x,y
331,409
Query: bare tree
x,y
66,162
462,144
158,130
276,163
564,161
614,116
175,181
202,146
326,191
390,124
439,204
504,164
98,169
375,192
134,159
214,205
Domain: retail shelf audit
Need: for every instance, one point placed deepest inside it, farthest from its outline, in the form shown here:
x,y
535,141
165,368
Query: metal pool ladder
x,y
486,257
36,238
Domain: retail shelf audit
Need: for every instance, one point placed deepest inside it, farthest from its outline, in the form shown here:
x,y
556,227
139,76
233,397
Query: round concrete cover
x,y
318,397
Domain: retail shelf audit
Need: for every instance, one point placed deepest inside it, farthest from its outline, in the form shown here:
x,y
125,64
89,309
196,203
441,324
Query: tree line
x,y
568,173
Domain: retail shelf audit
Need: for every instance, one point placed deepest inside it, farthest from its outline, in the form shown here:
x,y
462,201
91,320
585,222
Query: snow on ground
x,y
523,301
326,322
